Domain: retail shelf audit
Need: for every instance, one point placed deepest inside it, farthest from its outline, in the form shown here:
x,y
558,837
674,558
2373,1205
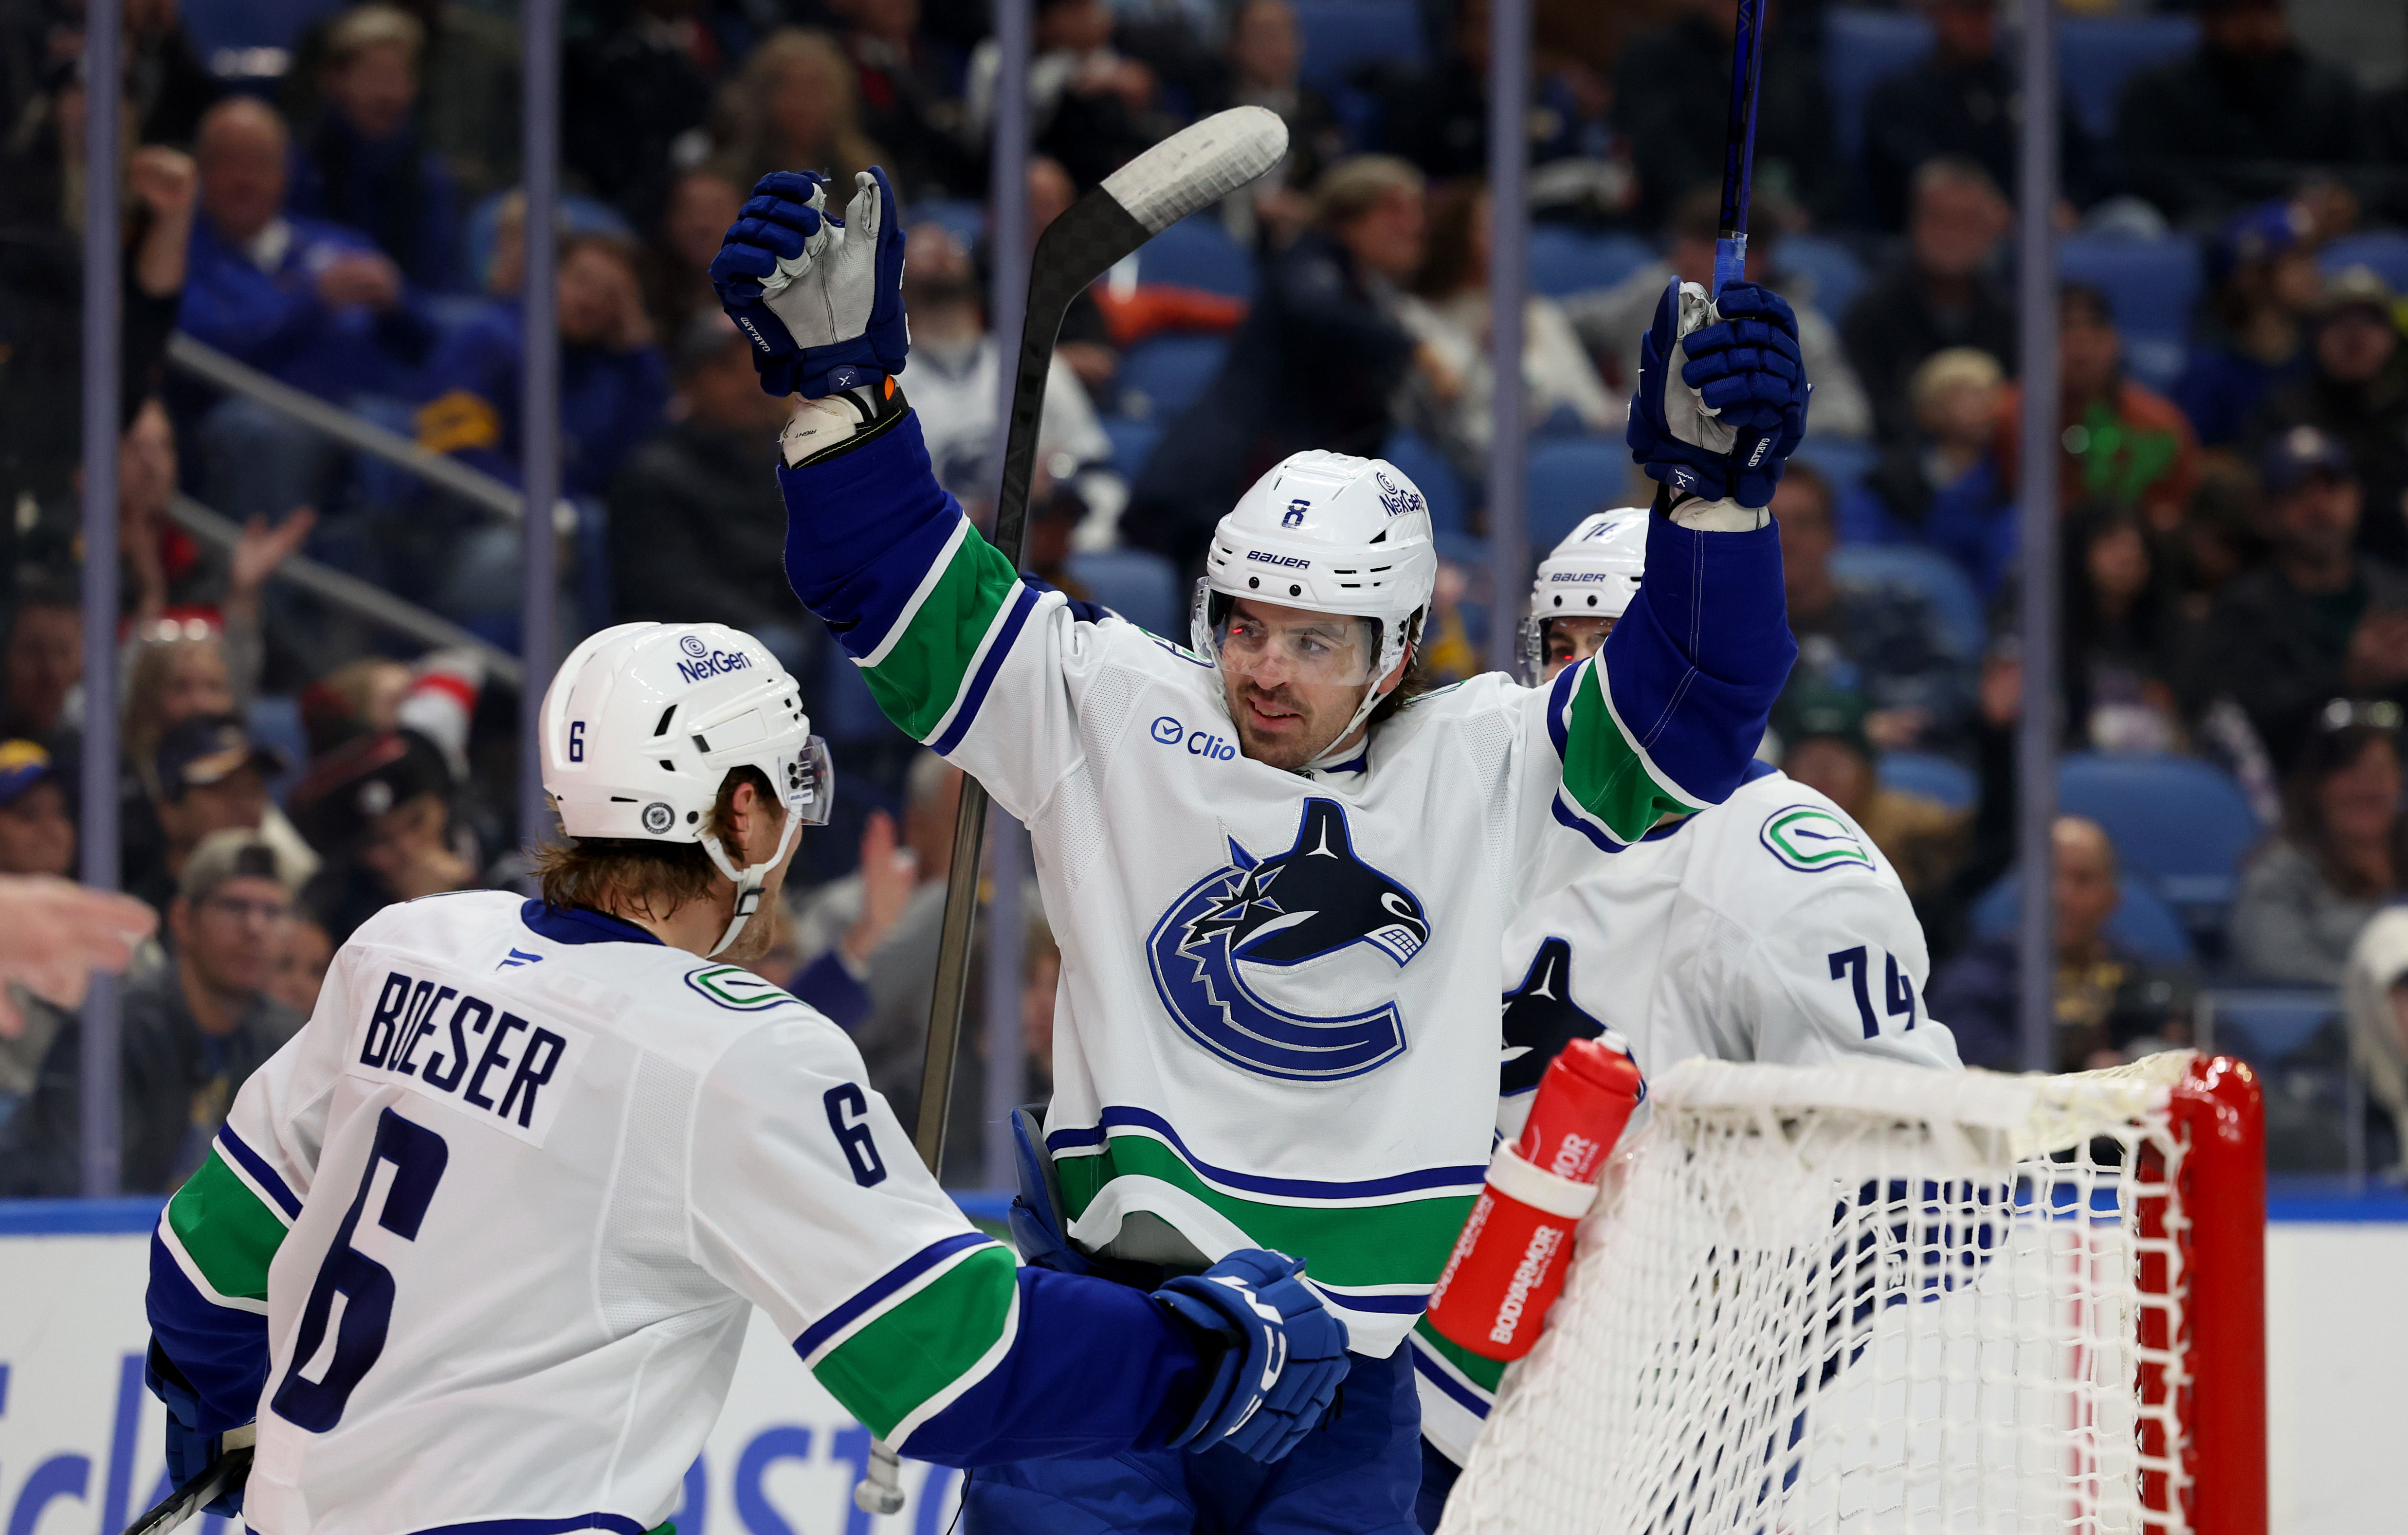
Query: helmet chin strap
x,y
748,880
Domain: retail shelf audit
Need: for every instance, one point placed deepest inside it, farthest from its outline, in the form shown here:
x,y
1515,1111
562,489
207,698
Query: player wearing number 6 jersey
x,y
477,1249
1766,928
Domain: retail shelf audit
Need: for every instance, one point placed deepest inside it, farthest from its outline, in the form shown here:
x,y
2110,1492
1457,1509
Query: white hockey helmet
x,y
1331,533
643,724
1593,573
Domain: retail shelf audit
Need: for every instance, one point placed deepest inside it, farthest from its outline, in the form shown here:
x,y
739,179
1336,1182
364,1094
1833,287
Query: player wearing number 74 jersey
x,y
477,1248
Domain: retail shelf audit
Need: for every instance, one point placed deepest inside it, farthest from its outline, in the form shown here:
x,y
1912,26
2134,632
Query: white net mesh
x,y
1865,1298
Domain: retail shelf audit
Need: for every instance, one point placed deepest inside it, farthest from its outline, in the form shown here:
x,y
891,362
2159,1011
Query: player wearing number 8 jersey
x,y
477,1248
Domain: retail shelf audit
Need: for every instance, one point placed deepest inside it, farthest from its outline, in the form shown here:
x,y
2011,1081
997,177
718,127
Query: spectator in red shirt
x,y
2123,441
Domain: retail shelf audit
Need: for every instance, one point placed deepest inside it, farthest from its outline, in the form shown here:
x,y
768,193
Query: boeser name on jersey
x,y
487,1059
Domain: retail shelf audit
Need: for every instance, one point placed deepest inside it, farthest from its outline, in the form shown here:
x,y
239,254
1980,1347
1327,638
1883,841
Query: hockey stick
x,y
1739,151
223,1475
1198,165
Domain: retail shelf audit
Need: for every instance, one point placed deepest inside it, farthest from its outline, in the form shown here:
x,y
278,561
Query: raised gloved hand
x,y
1722,393
820,297
190,1452
1285,1359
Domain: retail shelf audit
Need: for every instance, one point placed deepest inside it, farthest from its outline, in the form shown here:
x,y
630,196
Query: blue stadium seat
x,y
222,29
1132,441
1450,500
1570,478
2180,825
1197,252
1830,268
1926,571
1843,461
2385,250
1930,774
2264,1027
966,220
1137,584
1168,372
1859,48
578,215
2145,924
2096,56
1568,261
1340,33
2153,285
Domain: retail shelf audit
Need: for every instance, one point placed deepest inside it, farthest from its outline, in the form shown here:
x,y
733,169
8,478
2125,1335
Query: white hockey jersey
x,y
504,1206
1768,928
1277,1023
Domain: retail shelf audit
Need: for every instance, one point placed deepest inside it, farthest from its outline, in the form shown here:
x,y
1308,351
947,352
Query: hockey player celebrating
x,y
1282,882
477,1246
1766,928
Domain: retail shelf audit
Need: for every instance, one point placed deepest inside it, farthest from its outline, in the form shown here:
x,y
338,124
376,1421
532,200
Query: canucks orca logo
x,y
1313,900
1540,1018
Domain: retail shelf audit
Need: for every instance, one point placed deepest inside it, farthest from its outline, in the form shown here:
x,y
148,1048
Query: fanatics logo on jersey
x,y
463,1051
1809,840
737,990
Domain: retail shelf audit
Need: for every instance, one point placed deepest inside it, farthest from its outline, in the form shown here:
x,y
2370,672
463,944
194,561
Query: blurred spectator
x,y
1942,485
676,259
44,659
366,164
2341,857
1611,321
908,104
469,75
1091,107
168,576
177,675
878,891
2375,998
636,77
1446,306
210,776
1882,641
310,304
1963,101
2356,387
36,837
1316,365
1824,746
1086,341
796,108
2319,620
191,1032
2122,630
1672,95
2241,118
379,810
1941,295
2250,335
2121,440
2111,1005
698,532
613,380
300,967
53,935
1263,67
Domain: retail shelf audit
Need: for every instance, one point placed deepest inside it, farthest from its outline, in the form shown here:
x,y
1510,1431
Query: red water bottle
x,y
1509,1264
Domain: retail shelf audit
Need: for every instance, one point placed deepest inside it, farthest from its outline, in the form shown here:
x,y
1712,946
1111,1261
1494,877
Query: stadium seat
x,y
2143,923
1132,441
1340,34
578,216
966,220
2153,285
227,33
1450,500
2266,1028
1137,584
1859,48
1168,372
1926,571
1843,461
1570,478
2180,826
2384,250
2096,56
1568,261
1197,252
1928,774
1831,270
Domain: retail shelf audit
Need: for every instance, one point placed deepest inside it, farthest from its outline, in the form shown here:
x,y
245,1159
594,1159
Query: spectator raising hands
x,y
53,935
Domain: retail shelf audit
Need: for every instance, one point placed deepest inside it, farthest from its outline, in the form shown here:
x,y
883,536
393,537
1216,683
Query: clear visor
x,y
1318,648
811,783
1544,646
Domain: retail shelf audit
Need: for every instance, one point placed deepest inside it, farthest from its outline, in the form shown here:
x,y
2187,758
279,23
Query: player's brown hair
x,y
620,874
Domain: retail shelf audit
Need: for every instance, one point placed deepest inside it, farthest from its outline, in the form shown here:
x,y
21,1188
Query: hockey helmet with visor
x,y
1593,573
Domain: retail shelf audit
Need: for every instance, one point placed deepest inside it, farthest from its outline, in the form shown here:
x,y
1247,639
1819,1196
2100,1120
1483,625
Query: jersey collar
x,y
582,925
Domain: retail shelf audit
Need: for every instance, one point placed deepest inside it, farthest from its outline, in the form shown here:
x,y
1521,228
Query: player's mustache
x,y
1280,697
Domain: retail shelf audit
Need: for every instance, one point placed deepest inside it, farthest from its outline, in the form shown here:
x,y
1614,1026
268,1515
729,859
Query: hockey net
x,y
1878,1298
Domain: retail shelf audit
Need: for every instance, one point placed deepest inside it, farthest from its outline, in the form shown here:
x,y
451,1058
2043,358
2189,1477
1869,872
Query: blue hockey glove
x,y
1722,393
1285,1356
190,1452
820,297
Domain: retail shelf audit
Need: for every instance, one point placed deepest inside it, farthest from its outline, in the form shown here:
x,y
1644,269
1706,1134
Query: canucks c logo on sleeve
x,y
1270,919
1811,840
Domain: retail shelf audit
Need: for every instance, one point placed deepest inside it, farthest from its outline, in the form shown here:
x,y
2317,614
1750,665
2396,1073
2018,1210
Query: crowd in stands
x,y
2233,424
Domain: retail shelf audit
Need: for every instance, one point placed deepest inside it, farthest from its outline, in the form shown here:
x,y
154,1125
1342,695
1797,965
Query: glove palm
x,y
1722,393
820,297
